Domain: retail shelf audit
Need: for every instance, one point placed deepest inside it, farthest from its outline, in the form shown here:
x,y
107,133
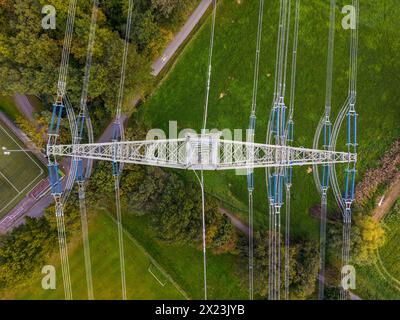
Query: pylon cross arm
x,y
201,152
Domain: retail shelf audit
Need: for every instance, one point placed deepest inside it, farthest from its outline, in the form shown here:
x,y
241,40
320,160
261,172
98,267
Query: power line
x,y
118,135
251,133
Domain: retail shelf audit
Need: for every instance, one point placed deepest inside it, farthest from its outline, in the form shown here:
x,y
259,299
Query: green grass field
x,y
185,263
19,171
382,280
144,278
7,105
141,283
180,97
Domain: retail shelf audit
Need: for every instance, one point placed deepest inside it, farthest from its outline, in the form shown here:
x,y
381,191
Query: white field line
x,y
9,203
22,149
19,195
9,182
152,260
158,280
28,185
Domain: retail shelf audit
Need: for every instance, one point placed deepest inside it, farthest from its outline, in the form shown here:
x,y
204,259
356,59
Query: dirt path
x,y
391,197
236,221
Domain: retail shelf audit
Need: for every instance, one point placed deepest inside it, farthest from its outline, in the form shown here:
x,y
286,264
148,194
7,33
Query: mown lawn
x,y
382,280
141,284
180,97
185,263
20,171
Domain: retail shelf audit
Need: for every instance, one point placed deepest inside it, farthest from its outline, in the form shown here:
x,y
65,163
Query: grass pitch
x,y
141,283
20,171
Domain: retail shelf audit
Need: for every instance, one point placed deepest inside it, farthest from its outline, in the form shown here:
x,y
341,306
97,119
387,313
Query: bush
x,y
367,235
179,217
303,265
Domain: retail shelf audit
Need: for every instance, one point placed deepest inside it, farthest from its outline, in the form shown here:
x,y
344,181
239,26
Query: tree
x,y
24,250
367,235
148,35
167,8
179,218
30,56
303,265
305,261
145,186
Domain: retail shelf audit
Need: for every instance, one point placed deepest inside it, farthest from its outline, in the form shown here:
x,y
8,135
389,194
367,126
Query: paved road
x,y
181,36
24,106
107,133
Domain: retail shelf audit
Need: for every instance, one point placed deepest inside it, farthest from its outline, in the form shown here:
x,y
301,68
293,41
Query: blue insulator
x,y
280,189
60,106
348,129
80,177
288,176
250,182
58,184
50,166
115,168
275,187
353,184
355,129
292,136
328,174
80,124
116,132
252,125
277,121
290,131
53,115
346,193
325,176
329,134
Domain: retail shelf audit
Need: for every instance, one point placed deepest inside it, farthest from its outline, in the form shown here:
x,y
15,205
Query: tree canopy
x,y
30,56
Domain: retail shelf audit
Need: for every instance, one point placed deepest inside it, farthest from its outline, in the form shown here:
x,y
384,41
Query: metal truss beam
x,y
202,152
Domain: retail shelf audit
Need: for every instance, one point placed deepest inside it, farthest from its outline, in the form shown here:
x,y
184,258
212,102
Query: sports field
x,y
20,171
144,279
